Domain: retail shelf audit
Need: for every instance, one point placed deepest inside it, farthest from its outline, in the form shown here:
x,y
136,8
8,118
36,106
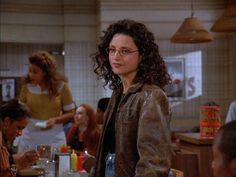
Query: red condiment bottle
x,y
80,162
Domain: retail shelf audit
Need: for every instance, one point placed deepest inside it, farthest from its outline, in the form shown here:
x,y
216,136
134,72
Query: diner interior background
x,y
70,30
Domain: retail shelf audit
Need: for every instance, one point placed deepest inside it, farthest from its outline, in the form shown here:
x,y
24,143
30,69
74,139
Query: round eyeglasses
x,y
122,52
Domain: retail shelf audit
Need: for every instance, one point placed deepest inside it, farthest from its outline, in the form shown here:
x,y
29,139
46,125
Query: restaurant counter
x,y
195,156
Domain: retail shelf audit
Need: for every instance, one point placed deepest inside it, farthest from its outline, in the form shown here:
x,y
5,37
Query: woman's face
x,y
36,74
13,129
81,117
220,167
124,57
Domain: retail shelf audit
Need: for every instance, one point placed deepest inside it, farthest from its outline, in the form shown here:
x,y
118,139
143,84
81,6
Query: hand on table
x,y
27,159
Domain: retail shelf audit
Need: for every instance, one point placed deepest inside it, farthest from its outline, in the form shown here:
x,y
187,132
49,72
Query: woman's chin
x,y
33,83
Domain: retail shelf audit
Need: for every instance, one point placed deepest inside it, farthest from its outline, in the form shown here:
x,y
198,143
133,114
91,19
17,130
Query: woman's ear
x,y
140,58
233,167
6,122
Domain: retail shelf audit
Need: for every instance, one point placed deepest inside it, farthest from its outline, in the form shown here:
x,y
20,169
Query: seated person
x,y
224,151
231,115
67,125
84,133
4,160
101,108
13,119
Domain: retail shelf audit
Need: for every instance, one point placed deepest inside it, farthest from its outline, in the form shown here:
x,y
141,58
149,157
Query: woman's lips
x,y
116,65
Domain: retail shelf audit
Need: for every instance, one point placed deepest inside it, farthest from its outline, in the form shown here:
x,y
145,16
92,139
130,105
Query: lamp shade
x,y
191,31
227,22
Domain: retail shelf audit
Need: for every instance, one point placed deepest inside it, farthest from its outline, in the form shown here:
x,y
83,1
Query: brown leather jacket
x,y
143,145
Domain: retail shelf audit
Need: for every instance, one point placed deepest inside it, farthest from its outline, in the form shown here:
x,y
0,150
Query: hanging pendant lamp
x,y
191,31
227,22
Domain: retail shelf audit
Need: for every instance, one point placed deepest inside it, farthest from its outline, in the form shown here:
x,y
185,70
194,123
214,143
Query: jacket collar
x,y
117,93
134,88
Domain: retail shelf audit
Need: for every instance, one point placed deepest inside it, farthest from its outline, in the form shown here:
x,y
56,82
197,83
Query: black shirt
x,y
109,138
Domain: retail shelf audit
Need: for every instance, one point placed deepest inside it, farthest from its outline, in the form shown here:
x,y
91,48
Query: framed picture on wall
x,y
176,69
8,89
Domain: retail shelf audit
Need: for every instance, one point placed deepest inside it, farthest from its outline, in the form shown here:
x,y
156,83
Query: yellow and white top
x,y
44,107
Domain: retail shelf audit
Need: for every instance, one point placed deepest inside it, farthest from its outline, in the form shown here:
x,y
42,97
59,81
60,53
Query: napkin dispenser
x,y
62,164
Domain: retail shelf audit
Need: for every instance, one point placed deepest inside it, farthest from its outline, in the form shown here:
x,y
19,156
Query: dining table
x,y
48,171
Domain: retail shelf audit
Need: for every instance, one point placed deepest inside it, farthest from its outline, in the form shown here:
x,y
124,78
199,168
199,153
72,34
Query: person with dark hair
x,y
101,108
13,119
84,134
49,99
136,138
224,151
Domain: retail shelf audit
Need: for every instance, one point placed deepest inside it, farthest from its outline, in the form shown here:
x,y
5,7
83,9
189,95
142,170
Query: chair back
x,y
176,173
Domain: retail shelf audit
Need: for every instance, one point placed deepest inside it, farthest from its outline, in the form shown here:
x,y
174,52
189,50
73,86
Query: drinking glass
x,y
45,152
45,155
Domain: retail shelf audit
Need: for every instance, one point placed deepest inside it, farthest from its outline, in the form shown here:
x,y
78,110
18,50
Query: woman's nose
x,y
212,164
117,55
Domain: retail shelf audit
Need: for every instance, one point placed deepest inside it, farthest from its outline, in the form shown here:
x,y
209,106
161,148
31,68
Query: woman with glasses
x,y
136,138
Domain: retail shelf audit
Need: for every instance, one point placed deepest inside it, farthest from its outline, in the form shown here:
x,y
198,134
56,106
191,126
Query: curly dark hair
x,y
14,110
152,68
47,64
225,140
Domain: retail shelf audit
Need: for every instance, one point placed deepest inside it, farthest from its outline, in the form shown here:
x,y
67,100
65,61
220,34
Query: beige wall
x,y
75,25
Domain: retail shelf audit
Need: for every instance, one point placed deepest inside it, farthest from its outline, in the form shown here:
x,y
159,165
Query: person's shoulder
x,y
151,88
153,94
95,133
63,85
29,87
154,91
24,87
